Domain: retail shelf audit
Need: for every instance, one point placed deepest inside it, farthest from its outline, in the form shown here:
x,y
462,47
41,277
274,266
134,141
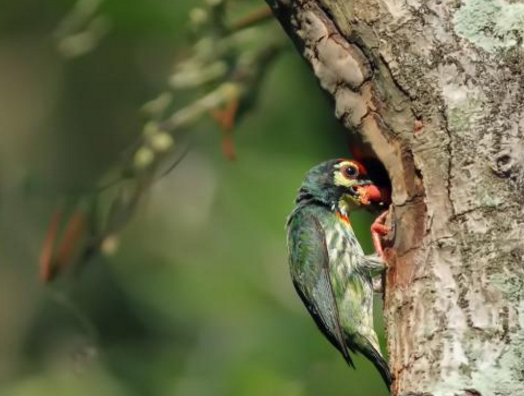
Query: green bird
x,y
331,273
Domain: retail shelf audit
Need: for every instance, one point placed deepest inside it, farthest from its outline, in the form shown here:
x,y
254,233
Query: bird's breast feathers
x,y
343,218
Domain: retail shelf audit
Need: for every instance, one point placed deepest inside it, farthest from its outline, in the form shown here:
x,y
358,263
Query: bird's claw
x,y
379,229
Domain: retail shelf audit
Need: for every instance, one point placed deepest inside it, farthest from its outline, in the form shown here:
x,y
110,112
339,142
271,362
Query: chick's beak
x,y
372,194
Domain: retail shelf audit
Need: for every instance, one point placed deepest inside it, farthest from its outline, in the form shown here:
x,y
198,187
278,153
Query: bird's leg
x,y
377,262
379,229
376,266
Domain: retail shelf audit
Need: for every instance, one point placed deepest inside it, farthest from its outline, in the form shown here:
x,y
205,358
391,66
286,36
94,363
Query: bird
x,y
330,272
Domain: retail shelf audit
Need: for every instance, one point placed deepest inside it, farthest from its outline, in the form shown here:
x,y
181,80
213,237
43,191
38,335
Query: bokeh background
x,y
197,300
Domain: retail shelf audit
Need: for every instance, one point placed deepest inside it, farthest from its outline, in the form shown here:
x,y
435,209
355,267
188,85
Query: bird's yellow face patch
x,y
346,173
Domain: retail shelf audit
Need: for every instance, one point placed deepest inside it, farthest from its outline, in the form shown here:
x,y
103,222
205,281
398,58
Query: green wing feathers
x,y
309,263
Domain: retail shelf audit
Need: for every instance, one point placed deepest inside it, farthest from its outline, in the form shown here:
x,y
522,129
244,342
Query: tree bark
x,y
435,89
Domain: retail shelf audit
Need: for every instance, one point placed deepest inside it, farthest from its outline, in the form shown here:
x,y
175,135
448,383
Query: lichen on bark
x,y
491,25
436,90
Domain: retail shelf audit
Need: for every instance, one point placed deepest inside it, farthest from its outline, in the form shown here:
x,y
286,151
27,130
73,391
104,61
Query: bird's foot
x,y
378,230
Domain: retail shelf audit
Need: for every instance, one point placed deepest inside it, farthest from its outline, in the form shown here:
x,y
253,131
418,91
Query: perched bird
x,y
329,269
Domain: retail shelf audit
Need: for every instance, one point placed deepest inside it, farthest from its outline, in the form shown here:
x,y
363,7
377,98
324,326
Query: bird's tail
x,y
380,364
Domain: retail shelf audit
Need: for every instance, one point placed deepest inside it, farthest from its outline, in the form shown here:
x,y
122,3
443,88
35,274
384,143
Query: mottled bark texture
x,y
436,88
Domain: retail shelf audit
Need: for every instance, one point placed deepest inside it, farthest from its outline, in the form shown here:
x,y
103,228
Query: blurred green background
x,y
198,299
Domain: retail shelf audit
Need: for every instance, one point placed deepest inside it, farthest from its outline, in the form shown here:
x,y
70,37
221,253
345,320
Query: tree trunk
x,y
436,88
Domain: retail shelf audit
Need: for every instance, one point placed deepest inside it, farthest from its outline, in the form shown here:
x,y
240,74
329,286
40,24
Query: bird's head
x,y
343,184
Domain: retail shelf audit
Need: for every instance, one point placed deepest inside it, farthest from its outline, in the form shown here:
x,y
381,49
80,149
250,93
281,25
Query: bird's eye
x,y
350,171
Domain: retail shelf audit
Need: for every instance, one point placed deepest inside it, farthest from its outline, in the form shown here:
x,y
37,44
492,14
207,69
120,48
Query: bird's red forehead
x,y
361,168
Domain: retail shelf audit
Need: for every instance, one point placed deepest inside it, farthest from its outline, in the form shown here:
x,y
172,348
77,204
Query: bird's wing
x,y
309,262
